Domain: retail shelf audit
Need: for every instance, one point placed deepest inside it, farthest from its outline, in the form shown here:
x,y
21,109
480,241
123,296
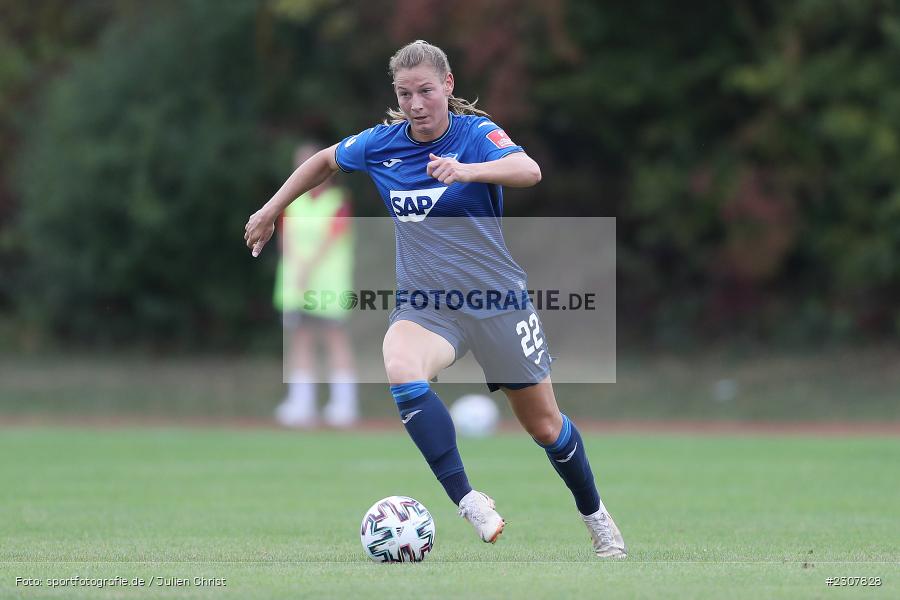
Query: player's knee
x,y
402,369
544,431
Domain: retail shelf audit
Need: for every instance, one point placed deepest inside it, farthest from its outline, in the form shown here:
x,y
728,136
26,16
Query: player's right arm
x,y
261,224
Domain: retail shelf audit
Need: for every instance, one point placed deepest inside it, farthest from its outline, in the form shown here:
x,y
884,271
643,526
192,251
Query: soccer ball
x,y
397,529
475,415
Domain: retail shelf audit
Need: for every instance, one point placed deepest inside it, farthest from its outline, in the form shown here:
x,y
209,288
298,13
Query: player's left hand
x,y
448,170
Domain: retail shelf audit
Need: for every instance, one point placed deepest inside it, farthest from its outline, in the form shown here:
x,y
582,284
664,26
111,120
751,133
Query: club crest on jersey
x,y
452,155
412,206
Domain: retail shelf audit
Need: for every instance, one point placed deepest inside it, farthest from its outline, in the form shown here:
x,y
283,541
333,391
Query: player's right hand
x,y
258,231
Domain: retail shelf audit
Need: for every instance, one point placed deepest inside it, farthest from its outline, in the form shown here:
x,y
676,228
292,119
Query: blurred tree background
x,y
748,150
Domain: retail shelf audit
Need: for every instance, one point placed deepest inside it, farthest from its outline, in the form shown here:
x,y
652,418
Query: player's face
x,y
422,95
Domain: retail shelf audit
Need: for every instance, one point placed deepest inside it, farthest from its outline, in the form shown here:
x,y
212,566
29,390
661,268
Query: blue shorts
x,y
510,347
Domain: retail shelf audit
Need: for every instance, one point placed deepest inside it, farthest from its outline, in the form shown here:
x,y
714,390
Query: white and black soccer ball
x,y
397,529
475,415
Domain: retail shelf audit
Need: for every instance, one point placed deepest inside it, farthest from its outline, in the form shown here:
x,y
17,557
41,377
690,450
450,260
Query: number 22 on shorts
x,y
531,330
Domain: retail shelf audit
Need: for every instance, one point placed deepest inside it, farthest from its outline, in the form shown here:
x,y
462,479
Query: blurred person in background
x,y
316,266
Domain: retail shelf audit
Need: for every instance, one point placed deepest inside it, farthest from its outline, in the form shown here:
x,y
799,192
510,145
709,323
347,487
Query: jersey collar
x,y
434,141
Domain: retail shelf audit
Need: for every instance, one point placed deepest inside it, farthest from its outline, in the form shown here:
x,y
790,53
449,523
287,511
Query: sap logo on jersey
x,y
412,206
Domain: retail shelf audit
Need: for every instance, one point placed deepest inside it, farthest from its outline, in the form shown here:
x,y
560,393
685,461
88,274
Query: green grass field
x,y
836,385
276,514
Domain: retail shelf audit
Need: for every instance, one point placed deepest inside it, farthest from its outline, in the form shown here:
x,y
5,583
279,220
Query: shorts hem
x,y
493,387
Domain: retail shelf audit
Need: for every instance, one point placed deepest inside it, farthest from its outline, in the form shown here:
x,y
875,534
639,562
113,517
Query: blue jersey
x,y
448,237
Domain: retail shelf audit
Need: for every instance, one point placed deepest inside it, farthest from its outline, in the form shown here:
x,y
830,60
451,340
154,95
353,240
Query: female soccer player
x,y
439,164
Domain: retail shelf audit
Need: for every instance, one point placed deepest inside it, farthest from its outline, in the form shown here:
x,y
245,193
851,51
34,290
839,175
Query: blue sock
x,y
429,425
568,457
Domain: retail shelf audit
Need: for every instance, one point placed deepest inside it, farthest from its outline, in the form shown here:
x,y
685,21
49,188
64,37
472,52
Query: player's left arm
x,y
513,170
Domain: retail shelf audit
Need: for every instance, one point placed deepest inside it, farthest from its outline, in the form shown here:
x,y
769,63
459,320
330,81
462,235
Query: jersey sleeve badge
x,y
499,138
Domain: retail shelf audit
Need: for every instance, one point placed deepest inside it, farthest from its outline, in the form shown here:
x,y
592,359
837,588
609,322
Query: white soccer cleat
x,y
478,509
294,414
607,538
